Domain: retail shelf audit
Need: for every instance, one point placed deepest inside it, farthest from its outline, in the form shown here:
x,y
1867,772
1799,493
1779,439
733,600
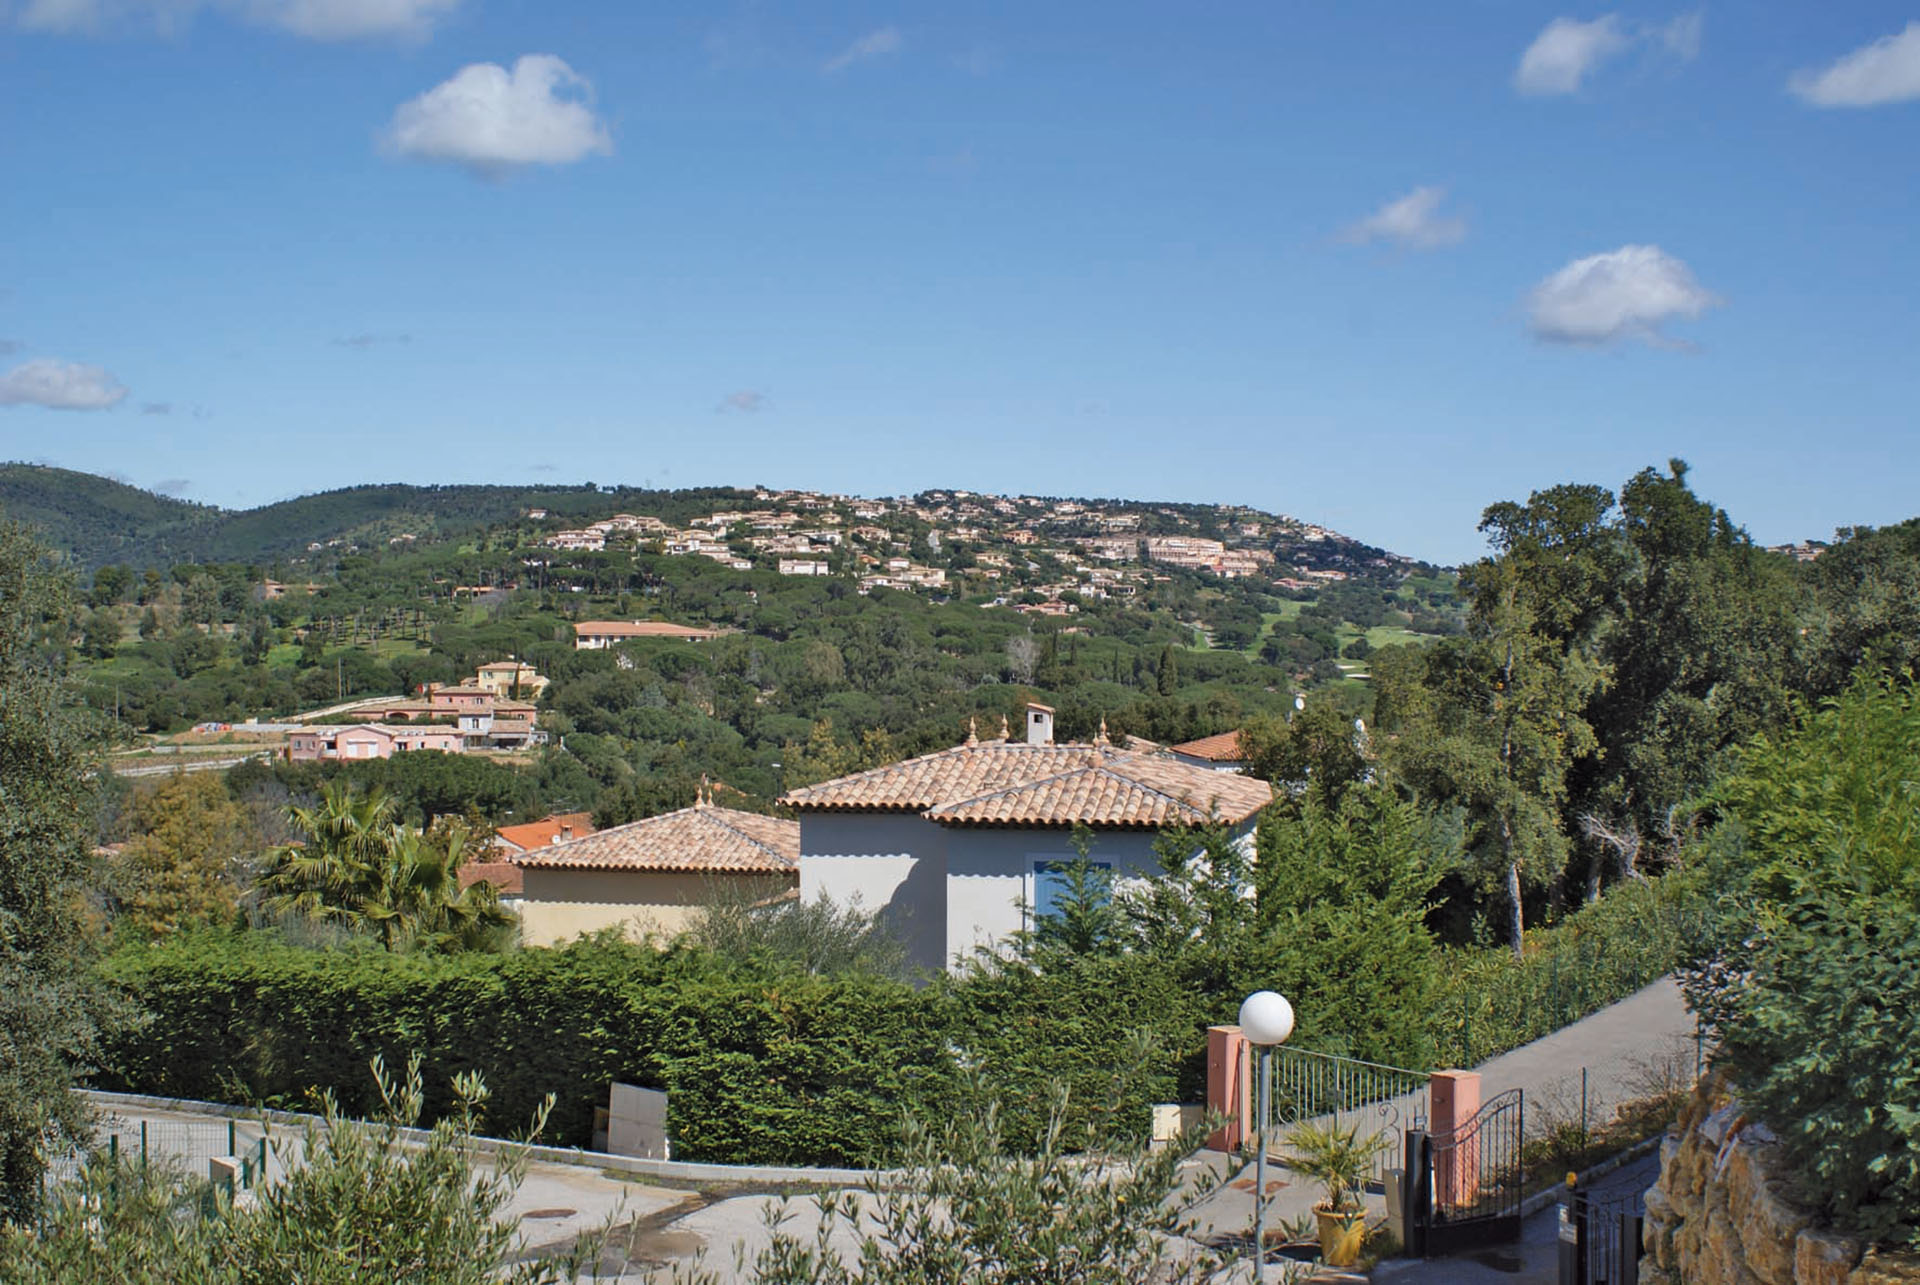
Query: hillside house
x,y
529,835
328,741
502,677
960,848
1215,753
590,635
653,876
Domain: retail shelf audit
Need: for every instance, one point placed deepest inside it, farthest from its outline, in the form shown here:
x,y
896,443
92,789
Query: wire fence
x,y
186,1146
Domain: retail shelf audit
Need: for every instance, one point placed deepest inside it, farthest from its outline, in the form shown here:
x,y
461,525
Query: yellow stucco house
x,y
652,877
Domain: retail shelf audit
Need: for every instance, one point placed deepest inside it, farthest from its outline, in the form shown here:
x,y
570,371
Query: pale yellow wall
x,y
559,905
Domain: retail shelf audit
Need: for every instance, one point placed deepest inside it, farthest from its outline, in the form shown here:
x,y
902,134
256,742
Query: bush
x,y
1813,985
364,1206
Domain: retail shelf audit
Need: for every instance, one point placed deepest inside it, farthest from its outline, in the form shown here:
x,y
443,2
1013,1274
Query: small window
x,y
1052,884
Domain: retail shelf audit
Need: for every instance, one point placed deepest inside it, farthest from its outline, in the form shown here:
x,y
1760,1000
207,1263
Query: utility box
x,y
637,1123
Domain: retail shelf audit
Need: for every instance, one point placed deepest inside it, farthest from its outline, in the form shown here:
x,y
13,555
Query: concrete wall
x,y
892,864
559,905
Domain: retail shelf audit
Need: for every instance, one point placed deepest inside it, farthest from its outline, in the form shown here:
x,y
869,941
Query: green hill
x,y
99,521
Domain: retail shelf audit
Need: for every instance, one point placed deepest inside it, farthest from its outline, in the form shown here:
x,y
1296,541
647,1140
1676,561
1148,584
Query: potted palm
x,y
1339,1159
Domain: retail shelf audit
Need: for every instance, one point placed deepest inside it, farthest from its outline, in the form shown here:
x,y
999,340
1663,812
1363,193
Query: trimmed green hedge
x,y
1489,1001
800,1071
796,1069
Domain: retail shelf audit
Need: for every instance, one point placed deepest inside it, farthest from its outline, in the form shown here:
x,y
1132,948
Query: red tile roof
x,y
696,839
1224,748
1013,783
538,834
503,875
643,629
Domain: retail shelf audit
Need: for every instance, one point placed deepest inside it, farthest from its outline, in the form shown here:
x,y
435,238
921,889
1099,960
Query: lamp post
x,y
1266,1018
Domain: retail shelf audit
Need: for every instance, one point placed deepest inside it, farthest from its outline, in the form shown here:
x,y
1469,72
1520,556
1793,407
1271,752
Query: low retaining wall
x,y
686,1171
1722,1212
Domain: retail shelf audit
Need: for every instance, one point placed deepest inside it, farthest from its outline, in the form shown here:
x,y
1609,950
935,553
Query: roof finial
x,y
1006,731
703,795
973,733
1101,739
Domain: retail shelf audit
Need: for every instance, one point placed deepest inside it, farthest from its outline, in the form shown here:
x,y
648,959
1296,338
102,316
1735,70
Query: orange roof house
x,y
651,877
1222,752
590,635
538,834
961,848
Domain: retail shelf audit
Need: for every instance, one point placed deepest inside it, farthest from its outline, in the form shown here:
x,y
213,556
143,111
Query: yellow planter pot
x,y
1341,1236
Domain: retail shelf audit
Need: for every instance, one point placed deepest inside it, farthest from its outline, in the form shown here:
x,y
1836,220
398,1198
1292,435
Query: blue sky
x,y
1375,265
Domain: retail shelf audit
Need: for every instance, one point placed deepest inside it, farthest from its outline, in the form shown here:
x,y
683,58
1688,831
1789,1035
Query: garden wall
x,y
1724,1213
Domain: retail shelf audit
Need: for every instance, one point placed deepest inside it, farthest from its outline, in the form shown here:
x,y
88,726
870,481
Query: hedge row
x,y
805,1071
1491,1001
788,1070
796,1069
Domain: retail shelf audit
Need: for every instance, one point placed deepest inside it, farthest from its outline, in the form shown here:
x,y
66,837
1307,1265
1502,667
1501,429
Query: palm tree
x,y
348,840
360,869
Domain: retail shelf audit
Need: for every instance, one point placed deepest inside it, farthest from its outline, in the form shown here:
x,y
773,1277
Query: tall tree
x,y
50,1008
1698,662
1492,723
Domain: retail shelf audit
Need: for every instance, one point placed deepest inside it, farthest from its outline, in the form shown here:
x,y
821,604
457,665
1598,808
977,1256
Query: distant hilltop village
x,y
1111,547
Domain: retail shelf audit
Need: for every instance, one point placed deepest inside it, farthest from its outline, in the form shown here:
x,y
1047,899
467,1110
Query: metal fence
x,y
184,1145
1378,1100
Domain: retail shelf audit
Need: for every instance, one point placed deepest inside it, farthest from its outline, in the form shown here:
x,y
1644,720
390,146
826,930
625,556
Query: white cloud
x,y
60,385
746,402
874,44
1563,54
1629,293
492,120
314,19
1681,37
1413,221
1886,71
1567,50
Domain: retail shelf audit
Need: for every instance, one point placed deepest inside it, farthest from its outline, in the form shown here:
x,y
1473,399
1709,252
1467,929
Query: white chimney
x,y
1039,724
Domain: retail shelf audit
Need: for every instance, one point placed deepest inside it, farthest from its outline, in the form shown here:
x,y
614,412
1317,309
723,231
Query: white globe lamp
x,y
1266,1018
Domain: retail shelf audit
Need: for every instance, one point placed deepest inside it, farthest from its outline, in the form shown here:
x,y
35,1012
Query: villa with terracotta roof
x,y
557,828
1217,753
651,877
591,635
960,847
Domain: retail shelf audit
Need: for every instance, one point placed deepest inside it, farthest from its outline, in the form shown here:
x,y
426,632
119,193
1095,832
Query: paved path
x,y
1626,1049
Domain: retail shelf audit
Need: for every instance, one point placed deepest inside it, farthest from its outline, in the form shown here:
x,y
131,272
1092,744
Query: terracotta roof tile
x,y
1000,783
1223,748
538,834
503,875
696,839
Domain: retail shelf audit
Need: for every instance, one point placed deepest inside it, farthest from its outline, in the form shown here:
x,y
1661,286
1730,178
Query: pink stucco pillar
x,y
1453,1098
1227,1086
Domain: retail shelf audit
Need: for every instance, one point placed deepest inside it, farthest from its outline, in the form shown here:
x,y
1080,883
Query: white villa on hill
x,y
951,846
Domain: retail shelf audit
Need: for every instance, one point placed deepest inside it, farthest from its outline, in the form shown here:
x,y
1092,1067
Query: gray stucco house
x,y
956,847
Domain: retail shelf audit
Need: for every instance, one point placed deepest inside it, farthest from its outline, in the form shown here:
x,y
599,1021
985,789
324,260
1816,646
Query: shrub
x,y
1813,982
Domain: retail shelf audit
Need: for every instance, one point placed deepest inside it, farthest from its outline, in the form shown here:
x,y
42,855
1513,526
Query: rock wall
x,y
1722,1213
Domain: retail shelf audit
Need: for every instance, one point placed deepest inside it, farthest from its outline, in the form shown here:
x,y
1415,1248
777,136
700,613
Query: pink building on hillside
x,y
369,741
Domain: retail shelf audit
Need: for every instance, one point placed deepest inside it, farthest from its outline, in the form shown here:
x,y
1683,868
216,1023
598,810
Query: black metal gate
x,y
1600,1235
1464,1189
